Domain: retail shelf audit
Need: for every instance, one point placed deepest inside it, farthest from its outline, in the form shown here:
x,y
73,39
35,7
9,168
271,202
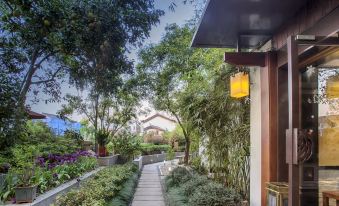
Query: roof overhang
x,y
248,23
35,115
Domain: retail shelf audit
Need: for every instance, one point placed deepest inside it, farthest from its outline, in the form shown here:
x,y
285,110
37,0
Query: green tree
x,y
174,136
113,113
42,41
169,68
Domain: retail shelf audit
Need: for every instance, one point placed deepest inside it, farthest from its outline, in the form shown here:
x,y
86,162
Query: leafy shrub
x,y
175,197
177,177
102,137
126,144
103,187
150,149
190,186
214,194
170,154
37,132
126,194
197,165
58,145
185,187
74,135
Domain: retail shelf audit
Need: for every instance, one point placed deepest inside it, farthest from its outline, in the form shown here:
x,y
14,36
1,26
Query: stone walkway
x,y
149,191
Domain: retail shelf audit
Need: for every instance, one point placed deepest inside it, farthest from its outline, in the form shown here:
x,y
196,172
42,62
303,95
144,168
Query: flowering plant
x,y
52,160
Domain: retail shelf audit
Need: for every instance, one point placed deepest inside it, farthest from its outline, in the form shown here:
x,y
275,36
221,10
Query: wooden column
x,y
269,122
294,121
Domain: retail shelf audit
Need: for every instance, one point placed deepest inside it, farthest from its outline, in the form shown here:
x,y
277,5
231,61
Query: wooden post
x,y
294,120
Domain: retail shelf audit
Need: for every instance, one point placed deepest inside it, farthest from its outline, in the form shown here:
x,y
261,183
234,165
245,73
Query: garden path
x,y
149,191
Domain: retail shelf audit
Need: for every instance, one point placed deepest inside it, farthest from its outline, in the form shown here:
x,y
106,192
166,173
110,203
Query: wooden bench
x,y
330,194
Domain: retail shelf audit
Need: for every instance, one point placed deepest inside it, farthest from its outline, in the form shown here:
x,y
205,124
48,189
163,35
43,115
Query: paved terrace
x,y
149,191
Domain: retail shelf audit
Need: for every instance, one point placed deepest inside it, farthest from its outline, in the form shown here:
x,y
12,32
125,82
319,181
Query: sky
x,y
180,16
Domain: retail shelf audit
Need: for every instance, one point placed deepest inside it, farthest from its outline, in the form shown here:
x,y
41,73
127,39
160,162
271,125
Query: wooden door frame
x,y
294,109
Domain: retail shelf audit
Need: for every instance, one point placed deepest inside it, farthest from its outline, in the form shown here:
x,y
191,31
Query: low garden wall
x,y
138,162
149,159
107,161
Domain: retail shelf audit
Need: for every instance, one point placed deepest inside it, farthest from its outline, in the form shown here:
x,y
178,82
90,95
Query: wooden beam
x,y
320,41
246,58
269,123
294,119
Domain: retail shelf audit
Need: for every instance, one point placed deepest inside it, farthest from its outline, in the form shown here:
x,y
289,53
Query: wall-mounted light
x,y
332,87
240,85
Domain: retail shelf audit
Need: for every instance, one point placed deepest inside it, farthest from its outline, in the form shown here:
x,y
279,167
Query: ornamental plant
x,y
52,160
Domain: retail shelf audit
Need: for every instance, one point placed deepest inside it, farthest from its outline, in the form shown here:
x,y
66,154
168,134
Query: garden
x,y
77,56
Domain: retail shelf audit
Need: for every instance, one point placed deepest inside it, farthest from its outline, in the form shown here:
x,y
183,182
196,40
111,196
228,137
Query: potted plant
x,y
26,188
102,138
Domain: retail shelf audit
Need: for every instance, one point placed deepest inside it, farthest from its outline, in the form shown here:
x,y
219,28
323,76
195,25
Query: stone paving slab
x,y
147,203
149,190
149,198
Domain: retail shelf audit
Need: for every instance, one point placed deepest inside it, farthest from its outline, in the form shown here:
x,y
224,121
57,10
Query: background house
x,y
154,126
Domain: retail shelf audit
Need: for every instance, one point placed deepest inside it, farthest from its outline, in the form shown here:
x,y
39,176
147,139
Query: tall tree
x,y
42,43
168,68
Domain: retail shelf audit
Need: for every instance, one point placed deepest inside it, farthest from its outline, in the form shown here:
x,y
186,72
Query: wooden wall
x,y
304,20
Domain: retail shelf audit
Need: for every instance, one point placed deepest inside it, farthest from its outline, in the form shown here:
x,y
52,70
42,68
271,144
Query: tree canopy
x,y
43,43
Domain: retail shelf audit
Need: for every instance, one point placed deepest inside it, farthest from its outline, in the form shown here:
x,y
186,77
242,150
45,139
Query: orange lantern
x,y
332,87
240,85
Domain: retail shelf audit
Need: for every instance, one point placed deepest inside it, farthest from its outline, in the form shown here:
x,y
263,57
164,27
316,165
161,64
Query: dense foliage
x,y
45,43
150,149
185,187
126,194
223,123
126,144
44,160
106,185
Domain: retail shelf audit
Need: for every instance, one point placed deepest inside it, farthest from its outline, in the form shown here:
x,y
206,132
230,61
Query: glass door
x,y
318,141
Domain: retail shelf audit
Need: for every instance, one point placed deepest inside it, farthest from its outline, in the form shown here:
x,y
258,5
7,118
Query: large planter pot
x,y
107,161
25,194
102,151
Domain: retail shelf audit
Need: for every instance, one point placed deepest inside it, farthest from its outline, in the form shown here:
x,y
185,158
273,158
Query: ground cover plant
x,y
110,185
185,187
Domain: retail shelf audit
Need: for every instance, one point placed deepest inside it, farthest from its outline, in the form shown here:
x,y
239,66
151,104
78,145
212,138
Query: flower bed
x,y
54,170
48,171
113,185
187,188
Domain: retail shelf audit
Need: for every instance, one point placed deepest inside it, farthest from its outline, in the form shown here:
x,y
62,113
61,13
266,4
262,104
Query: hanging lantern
x,y
240,85
332,87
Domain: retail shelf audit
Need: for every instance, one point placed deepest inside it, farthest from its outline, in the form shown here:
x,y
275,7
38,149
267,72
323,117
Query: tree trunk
x,y
28,79
187,150
96,122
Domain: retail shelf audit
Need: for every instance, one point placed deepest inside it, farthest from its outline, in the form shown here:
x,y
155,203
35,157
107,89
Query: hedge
x,y
187,188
